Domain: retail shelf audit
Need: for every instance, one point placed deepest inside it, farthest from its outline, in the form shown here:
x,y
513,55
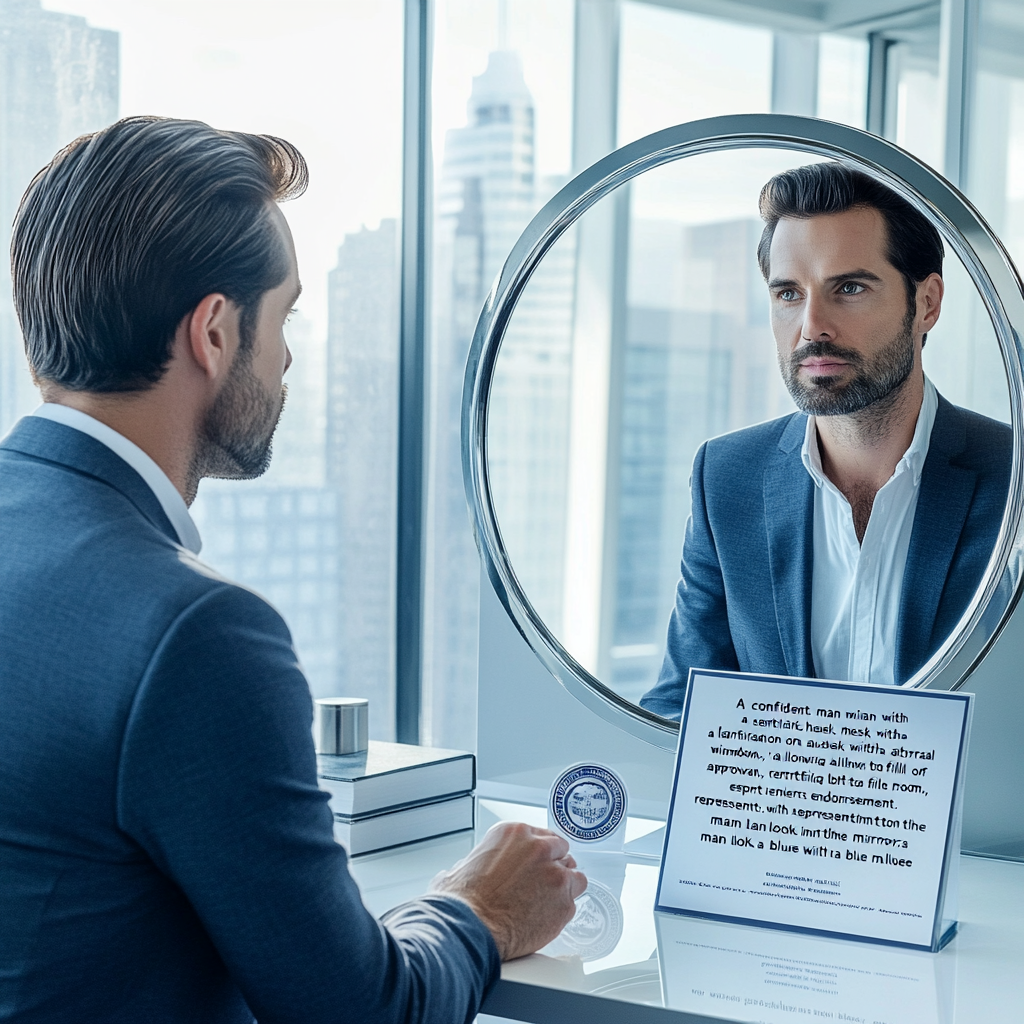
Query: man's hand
x,y
521,882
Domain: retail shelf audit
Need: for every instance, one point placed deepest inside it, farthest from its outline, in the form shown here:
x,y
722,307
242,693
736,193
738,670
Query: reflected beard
x,y
875,382
236,437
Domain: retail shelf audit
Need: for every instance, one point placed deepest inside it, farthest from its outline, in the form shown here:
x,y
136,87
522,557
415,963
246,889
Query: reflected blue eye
x,y
851,288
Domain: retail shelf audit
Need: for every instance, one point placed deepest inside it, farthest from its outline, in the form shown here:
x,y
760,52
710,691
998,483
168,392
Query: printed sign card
x,y
817,806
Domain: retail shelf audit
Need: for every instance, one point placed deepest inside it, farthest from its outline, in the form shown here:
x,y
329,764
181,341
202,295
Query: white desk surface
x,y
709,971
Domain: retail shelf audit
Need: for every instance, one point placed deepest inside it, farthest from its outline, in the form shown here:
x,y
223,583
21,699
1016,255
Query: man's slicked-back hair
x,y
913,243
125,232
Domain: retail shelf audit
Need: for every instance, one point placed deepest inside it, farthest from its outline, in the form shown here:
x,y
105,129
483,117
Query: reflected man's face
x,y
846,335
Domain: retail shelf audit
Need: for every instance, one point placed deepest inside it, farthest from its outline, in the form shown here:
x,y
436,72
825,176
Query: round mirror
x,y
630,325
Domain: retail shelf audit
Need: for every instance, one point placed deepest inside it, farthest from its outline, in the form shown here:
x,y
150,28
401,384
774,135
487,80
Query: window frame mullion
x,y
413,406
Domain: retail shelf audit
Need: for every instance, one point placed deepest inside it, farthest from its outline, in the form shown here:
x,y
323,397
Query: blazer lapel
x,y
44,439
789,519
942,507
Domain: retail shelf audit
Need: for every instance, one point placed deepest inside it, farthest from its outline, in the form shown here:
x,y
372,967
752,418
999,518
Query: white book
x,y
405,825
390,775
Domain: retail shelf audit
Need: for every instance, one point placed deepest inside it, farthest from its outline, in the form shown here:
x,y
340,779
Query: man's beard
x,y
235,438
873,382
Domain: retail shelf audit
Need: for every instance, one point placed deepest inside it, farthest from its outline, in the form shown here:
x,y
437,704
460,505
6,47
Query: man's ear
x,y
929,302
213,335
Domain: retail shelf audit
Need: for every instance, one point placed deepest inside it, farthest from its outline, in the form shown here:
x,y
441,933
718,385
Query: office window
x,y
914,116
502,99
676,67
967,366
495,164
995,172
316,535
842,79
328,77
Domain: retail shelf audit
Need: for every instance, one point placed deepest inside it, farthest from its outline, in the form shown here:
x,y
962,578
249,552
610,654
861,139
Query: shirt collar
x,y
913,458
159,483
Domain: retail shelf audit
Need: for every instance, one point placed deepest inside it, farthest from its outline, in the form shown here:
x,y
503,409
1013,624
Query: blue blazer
x,y
743,601
165,853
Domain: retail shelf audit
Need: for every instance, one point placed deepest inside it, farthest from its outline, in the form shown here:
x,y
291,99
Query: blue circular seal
x,y
588,802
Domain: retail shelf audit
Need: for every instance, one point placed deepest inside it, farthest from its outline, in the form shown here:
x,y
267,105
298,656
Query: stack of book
x,y
397,793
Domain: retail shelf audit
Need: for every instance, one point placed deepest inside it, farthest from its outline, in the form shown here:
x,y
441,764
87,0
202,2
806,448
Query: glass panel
x,y
842,79
316,534
60,80
963,365
995,177
502,129
673,67
914,97
677,67
994,182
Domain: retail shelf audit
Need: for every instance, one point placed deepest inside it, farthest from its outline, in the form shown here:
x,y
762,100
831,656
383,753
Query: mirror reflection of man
x,y
846,540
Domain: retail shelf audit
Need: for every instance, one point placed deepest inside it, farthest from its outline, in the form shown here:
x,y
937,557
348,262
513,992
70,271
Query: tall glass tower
x,y
487,193
362,390
58,80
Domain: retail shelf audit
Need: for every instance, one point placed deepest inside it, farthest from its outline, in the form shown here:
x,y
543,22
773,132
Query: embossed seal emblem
x,y
588,802
595,930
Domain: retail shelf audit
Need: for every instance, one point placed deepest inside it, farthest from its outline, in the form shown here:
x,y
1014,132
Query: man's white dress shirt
x,y
159,483
856,587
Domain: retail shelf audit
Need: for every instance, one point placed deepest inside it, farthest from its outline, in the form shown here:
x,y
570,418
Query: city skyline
x,y
486,194
61,80
315,535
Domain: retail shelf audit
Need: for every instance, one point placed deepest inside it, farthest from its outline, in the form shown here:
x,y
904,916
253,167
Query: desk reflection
x,y
832,980
595,930
753,974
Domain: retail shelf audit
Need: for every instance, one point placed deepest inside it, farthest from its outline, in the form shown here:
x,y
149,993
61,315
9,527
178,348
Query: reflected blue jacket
x,y
743,602
165,853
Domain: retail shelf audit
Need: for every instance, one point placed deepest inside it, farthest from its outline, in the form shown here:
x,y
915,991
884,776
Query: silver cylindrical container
x,y
341,725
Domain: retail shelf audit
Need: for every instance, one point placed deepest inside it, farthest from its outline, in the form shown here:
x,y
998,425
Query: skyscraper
x,y
362,417
487,193
699,361
58,79
529,425
491,162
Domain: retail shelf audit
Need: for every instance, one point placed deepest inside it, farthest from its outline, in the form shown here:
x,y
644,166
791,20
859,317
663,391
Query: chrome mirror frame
x,y
962,228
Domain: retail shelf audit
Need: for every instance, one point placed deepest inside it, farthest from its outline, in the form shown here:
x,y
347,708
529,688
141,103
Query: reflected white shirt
x,y
159,482
856,587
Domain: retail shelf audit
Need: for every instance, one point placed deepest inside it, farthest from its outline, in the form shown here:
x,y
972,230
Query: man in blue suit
x,y
844,541
165,853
